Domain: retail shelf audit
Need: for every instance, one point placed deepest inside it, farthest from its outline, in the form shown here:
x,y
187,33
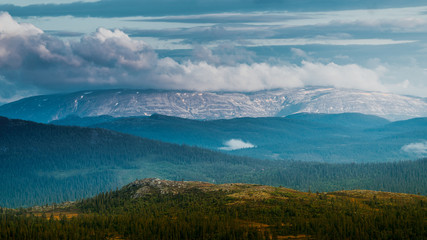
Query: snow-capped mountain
x,y
215,105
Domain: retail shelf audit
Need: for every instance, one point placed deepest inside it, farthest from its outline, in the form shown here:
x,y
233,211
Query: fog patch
x,y
419,148
235,144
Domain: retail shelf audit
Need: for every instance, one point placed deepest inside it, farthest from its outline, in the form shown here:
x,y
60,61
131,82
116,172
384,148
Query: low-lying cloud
x,y
235,144
111,59
419,148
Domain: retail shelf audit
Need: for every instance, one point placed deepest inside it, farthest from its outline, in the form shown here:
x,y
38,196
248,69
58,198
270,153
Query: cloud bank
x,y
111,59
419,148
235,144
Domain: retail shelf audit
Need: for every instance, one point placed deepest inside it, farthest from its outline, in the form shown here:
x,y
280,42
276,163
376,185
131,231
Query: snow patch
x,y
235,144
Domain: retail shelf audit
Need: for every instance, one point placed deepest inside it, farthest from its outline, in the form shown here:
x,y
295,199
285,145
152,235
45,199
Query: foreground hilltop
x,y
160,209
214,105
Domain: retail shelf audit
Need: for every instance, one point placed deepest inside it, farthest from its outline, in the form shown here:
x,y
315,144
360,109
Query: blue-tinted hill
x,y
42,163
347,137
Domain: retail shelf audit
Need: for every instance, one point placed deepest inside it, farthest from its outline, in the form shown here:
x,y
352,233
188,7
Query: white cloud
x,y
115,48
10,28
299,53
224,54
235,144
324,41
259,76
419,148
395,18
111,59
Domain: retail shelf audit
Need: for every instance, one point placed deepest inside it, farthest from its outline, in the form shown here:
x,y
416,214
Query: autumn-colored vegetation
x,y
157,209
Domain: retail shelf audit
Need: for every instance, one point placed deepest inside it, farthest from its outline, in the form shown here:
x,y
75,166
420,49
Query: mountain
x,y
161,209
43,163
80,162
347,120
346,137
214,105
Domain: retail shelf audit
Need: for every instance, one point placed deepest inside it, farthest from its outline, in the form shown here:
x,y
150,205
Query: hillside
x,y
214,105
42,163
66,163
337,138
159,209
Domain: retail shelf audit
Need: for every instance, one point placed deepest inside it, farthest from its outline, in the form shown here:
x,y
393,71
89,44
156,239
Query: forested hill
x,y
42,163
159,209
334,138
45,163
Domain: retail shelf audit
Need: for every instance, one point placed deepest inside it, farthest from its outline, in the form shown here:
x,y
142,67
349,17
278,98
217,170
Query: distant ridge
x,y
344,137
214,105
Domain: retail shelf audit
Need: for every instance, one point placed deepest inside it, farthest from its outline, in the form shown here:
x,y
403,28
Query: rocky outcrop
x,y
149,186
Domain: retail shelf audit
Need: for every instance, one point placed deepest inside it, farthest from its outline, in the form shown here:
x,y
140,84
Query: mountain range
x,y
99,140
215,105
44,163
345,137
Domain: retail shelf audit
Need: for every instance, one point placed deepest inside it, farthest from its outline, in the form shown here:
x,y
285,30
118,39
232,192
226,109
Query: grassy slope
x,y
197,210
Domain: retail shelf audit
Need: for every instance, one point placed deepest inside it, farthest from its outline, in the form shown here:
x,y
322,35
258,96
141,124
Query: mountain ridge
x,y
214,105
44,163
344,137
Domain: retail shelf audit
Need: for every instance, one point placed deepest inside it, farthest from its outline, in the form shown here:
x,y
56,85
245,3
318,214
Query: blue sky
x,y
51,46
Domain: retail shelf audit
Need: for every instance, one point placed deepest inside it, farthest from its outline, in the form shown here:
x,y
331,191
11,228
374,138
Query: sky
x,y
49,46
